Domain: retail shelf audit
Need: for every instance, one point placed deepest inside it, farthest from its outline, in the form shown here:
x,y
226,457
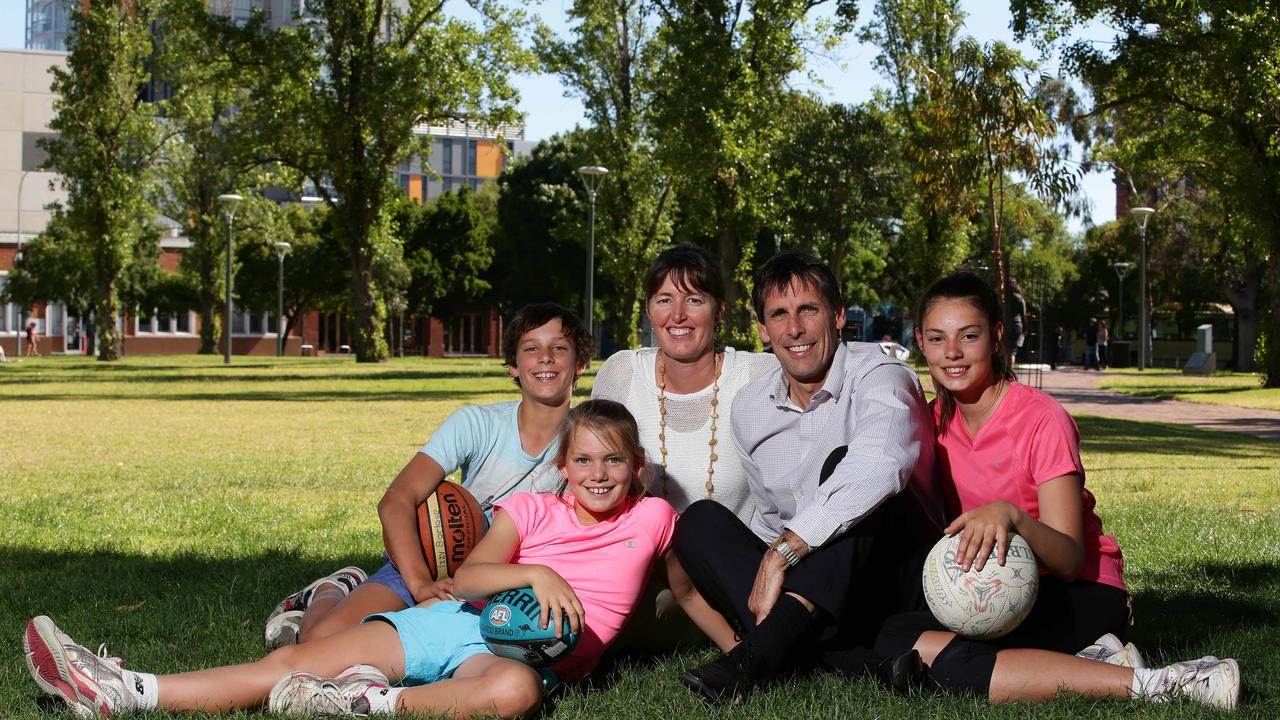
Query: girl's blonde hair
x,y
614,425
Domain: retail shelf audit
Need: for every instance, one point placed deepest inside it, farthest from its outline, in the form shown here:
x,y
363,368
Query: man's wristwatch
x,y
783,548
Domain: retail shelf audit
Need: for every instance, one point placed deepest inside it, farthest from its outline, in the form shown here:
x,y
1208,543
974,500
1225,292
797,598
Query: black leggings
x,y
1067,617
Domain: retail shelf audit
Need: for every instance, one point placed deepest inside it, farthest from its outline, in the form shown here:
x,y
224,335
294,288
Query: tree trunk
x,y
369,310
210,325
104,319
1271,372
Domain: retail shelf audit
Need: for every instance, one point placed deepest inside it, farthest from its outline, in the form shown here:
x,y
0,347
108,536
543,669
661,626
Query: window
x,y
184,323
471,157
446,157
255,324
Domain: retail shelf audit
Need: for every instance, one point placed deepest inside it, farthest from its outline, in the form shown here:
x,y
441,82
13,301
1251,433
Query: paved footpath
x,y
1078,391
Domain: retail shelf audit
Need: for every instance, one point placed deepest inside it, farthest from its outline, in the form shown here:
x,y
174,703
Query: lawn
x,y
1224,388
164,505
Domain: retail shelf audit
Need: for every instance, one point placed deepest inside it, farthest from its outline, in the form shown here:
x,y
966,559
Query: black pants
x,y
856,580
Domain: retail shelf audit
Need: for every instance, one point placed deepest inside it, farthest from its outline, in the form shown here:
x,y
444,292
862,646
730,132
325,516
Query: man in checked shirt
x,y
838,449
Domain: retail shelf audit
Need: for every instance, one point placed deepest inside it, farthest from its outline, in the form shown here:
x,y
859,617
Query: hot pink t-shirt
x,y
606,564
1029,440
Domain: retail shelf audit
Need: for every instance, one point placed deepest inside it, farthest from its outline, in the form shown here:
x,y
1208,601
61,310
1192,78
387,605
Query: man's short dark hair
x,y
783,269
535,315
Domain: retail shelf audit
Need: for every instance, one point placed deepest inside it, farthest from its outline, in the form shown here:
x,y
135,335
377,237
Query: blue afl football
x,y
509,625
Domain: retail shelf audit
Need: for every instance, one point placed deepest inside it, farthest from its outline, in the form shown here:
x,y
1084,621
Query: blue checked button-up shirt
x,y
871,404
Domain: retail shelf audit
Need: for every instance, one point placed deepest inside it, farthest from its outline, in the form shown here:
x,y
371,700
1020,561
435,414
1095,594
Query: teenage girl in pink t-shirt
x,y
1011,464
585,551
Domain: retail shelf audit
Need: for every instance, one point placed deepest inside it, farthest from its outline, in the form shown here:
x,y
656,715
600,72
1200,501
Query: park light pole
x,y
592,178
1142,215
282,249
228,201
1122,269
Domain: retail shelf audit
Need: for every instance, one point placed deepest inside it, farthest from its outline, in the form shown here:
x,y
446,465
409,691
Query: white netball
x,y
981,605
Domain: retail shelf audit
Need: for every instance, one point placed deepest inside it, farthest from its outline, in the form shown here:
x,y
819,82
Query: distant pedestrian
x,y
33,350
1057,348
1104,337
1091,345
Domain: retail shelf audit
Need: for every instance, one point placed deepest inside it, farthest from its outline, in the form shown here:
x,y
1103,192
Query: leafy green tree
x,y
107,141
842,190
204,62
1217,116
538,238
344,111
918,42
447,250
610,64
719,96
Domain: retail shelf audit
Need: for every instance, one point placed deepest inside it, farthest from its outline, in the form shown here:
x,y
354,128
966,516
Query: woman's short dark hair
x,y
691,268
784,268
968,286
535,315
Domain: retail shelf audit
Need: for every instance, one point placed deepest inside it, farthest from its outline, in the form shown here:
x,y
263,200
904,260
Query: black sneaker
x,y
903,672
720,680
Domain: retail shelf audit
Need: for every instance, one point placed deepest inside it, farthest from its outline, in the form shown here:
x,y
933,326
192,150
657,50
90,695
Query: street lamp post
x,y
1142,215
592,176
1122,269
282,249
228,201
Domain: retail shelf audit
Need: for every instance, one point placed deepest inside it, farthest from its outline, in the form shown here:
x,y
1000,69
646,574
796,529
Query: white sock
x,y
1147,682
383,702
143,688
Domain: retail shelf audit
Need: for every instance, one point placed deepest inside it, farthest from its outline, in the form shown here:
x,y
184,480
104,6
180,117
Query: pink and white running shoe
x,y
91,684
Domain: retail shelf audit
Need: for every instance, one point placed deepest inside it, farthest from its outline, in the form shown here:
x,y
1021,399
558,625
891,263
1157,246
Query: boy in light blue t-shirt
x,y
500,449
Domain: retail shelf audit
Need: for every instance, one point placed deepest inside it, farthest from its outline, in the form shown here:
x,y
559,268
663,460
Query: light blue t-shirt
x,y
484,442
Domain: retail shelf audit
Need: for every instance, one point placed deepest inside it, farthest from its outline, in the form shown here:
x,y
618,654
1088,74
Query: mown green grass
x,y
164,505
1224,388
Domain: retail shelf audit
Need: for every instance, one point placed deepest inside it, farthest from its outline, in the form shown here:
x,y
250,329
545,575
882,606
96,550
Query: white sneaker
x,y
346,695
283,629
91,684
1110,650
285,632
1211,681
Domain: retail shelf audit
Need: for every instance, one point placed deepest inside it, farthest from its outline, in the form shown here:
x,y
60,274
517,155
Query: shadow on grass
x,y
1113,435
1170,616
204,375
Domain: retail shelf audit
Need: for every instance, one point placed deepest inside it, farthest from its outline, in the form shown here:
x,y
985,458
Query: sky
x,y
846,76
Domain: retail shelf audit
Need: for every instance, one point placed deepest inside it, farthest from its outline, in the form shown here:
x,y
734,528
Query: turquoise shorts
x,y
438,638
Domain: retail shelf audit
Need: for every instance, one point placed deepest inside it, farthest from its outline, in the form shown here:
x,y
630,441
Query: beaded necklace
x,y
662,422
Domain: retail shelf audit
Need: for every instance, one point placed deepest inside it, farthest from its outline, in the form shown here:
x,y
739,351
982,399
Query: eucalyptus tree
x,y
610,64
720,93
207,66
347,90
842,186
107,140
1202,82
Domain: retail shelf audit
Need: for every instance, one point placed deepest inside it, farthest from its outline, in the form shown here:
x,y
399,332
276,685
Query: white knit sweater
x,y
629,378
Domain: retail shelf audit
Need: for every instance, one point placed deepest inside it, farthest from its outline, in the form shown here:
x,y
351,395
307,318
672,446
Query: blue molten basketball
x,y
509,625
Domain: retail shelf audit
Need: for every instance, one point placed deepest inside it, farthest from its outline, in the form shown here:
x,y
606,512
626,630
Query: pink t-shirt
x,y
606,564
1030,440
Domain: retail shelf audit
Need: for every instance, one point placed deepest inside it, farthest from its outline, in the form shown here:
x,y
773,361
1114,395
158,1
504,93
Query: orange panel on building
x,y
415,188
489,159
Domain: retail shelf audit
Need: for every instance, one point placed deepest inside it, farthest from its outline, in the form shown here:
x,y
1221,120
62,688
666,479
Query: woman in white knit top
x,y
684,297
692,455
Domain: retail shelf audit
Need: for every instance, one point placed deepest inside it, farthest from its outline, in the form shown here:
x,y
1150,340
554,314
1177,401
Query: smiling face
x,y
684,319
546,364
599,475
959,342
804,331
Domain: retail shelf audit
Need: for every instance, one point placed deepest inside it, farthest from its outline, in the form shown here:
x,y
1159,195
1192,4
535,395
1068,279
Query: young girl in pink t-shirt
x,y
1010,460
586,552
